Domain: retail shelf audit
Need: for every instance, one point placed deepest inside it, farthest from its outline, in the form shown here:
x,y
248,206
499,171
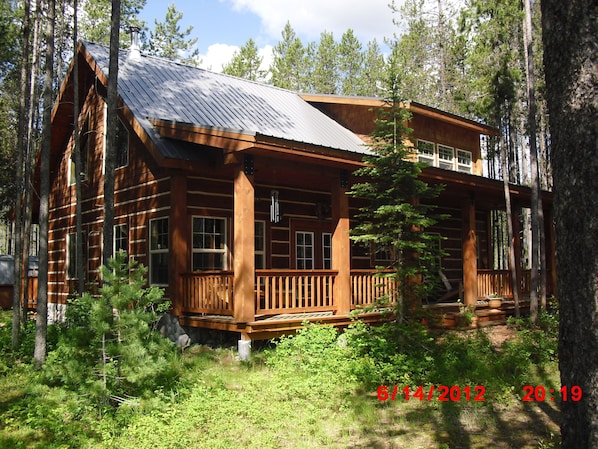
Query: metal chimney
x,y
135,49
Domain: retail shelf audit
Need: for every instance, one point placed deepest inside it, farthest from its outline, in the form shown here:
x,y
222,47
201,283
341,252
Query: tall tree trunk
x,y
21,157
31,155
111,141
41,324
570,37
536,200
77,150
511,236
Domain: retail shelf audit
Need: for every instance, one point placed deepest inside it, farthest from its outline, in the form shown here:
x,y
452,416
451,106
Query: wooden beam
x,y
179,239
341,247
470,263
244,244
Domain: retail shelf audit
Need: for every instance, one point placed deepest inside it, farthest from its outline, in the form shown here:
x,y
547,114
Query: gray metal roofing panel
x,y
161,89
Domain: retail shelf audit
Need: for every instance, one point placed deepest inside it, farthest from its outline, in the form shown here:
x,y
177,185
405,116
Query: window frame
x,y
118,237
444,162
83,138
430,156
158,251
464,168
260,252
223,251
303,259
327,251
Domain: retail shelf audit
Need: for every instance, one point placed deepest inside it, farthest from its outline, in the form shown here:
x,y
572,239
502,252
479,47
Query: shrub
x,y
109,347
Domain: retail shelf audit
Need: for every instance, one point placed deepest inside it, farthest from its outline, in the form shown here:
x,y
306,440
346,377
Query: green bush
x,y
108,347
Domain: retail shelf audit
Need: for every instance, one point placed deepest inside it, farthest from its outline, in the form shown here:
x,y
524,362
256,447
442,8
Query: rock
x,y
170,328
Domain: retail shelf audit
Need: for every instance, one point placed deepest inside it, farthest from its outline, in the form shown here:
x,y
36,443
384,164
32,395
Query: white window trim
x,y
261,252
324,258
447,164
114,237
428,159
311,259
151,251
465,168
223,251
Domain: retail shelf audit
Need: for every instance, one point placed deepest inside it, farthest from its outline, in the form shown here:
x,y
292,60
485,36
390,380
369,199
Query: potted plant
x,y
467,316
494,301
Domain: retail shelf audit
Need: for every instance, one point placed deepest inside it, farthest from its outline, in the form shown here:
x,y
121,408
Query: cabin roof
x,y
160,90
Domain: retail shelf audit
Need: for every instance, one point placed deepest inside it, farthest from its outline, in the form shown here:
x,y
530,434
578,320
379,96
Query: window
x,y
425,152
84,149
121,238
71,256
209,243
122,145
305,250
446,157
464,161
327,250
260,244
159,251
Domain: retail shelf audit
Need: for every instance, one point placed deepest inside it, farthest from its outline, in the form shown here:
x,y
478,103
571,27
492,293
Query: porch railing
x,y
208,292
367,288
293,291
499,282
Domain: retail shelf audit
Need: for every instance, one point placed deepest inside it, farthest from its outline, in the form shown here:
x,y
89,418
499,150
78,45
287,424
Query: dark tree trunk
x,y
112,125
41,324
78,162
570,37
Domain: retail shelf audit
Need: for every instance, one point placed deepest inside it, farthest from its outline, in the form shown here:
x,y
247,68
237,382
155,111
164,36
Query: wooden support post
x,y
341,247
178,254
470,260
244,243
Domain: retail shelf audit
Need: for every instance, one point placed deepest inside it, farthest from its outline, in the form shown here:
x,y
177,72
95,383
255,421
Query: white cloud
x,y
216,56
368,19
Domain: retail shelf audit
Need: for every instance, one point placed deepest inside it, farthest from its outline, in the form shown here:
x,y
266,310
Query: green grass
x,y
307,393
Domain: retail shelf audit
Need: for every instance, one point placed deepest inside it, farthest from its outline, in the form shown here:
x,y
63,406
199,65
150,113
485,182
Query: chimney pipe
x,y
135,49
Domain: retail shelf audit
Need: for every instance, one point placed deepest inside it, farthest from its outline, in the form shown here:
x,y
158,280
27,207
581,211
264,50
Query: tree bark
x,y
536,200
111,141
570,38
21,157
41,324
78,162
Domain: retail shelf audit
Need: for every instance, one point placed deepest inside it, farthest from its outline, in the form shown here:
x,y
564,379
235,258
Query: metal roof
x,y
156,88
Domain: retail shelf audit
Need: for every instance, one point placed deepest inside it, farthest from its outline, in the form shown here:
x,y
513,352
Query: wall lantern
x,y
275,216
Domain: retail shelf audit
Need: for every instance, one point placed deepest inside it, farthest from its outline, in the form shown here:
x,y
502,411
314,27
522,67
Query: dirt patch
x,y
499,334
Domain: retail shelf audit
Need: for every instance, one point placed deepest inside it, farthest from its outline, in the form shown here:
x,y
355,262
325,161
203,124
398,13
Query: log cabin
x,y
233,194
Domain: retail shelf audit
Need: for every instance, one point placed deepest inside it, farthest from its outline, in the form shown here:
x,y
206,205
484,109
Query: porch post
x,y
244,242
470,260
179,236
516,223
341,246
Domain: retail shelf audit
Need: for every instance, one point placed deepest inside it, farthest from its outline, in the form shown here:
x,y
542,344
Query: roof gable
x,y
156,89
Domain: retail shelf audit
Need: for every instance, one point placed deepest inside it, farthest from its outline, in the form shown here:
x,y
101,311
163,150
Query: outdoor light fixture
x,y
274,207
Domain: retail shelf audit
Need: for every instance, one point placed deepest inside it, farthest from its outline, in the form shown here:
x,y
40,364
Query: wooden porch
x,y
284,299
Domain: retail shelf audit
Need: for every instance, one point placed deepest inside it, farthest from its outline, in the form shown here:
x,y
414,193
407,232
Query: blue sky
x,y
222,26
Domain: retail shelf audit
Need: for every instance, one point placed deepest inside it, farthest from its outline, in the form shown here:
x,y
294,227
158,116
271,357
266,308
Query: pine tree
x,y
246,63
324,75
109,346
168,41
288,65
395,216
350,62
96,19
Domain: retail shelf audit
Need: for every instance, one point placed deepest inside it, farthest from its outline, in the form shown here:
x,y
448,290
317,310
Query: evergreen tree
x,y
350,62
109,347
373,70
395,218
288,67
246,63
96,20
168,41
570,37
324,74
